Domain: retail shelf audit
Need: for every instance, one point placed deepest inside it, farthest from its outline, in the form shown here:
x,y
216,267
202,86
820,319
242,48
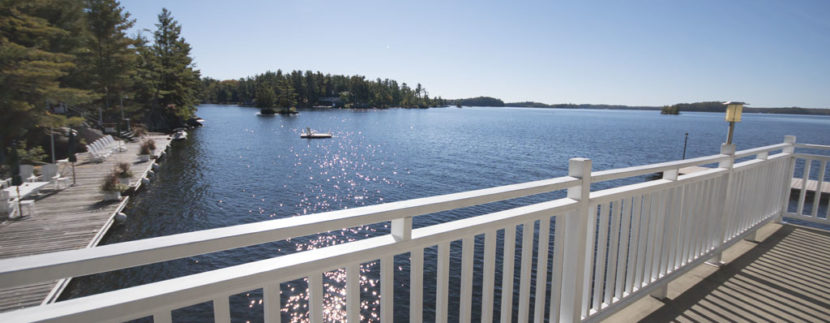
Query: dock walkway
x,y
73,218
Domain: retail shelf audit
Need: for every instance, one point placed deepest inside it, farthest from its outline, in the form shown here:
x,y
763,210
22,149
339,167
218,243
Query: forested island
x,y
315,89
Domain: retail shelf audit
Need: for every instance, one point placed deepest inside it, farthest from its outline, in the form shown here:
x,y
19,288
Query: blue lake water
x,y
243,168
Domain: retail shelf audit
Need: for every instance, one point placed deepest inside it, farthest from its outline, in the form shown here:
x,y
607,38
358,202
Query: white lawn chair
x,y
50,172
25,206
10,207
27,173
95,154
5,182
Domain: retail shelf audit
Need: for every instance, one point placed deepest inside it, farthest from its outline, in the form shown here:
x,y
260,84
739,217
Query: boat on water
x,y
311,134
180,134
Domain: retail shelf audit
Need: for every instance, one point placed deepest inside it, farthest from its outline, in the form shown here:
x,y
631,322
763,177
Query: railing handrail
x,y
579,212
759,150
206,286
71,263
612,174
813,146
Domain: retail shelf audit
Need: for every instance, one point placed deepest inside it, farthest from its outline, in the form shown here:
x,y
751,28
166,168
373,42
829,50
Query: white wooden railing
x,y
812,171
609,247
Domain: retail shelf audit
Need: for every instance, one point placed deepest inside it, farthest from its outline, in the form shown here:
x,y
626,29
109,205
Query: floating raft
x,y
311,134
315,135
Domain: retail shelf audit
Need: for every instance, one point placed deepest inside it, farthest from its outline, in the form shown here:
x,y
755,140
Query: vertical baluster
x,y
654,221
688,221
641,241
700,217
632,246
557,268
221,310
586,281
353,293
700,222
714,210
817,194
659,232
442,296
416,285
507,273
677,243
600,247
488,280
731,214
613,250
387,288
525,269
805,177
465,308
271,301
315,297
740,198
667,236
715,218
542,269
625,226
163,317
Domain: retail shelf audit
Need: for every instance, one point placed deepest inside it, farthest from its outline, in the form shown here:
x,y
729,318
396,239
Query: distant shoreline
x,y
793,111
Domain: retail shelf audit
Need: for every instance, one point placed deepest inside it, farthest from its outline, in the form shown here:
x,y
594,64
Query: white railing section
x,y
808,184
607,248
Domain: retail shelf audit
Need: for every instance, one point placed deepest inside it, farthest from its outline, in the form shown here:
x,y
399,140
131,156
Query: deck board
x,y
68,219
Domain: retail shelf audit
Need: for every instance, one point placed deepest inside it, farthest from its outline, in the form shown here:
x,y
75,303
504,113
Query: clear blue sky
x,y
767,53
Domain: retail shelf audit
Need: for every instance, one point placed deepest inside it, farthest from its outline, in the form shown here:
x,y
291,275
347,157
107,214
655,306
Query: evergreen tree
x,y
110,56
174,81
38,40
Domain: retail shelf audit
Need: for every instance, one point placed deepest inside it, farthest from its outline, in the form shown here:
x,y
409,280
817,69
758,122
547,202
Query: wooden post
x,y
576,241
662,291
788,177
725,149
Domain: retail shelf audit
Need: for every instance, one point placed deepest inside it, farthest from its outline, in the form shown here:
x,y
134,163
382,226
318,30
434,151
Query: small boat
x,y
311,134
180,134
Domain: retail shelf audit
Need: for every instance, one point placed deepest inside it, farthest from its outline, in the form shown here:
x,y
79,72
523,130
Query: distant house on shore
x,y
330,101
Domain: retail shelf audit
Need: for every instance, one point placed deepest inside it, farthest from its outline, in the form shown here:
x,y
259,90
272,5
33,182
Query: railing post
x,y
788,178
663,291
576,242
402,229
725,149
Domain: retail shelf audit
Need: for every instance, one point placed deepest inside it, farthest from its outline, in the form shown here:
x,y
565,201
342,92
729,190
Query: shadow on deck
x,y
785,278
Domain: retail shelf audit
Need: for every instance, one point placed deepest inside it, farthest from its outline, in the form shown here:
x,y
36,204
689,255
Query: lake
x,y
243,168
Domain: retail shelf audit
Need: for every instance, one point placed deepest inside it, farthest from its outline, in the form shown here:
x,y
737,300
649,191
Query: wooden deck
x,y
72,218
784,278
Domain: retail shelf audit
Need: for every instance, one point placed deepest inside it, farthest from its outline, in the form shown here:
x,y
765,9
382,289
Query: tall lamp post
x,y
733,114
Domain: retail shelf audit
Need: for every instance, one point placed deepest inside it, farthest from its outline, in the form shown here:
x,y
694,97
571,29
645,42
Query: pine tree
x,y
38,40
109,60
173,82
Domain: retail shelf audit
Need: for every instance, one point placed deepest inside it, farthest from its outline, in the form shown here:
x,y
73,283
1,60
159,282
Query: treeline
x,y
70,62
716,106
481,101
309,89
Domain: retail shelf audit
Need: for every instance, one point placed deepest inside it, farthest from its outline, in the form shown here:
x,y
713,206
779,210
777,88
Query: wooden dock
x,y
73,218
